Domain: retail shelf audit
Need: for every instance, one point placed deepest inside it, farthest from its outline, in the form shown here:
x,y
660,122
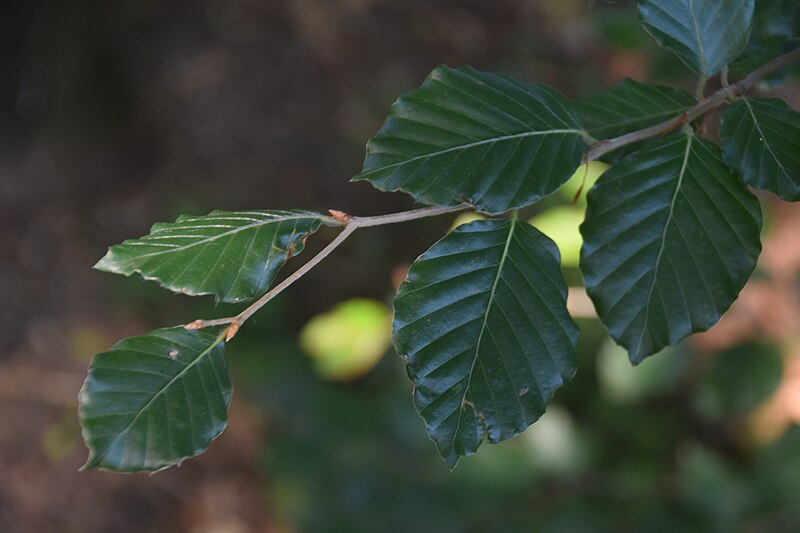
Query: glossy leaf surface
x,y
482,321
475,137
233,255
152,401
704,34
761,142
629,106
670,239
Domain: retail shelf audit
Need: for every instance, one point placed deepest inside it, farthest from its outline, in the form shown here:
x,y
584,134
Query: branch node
x,y
340,216
232,330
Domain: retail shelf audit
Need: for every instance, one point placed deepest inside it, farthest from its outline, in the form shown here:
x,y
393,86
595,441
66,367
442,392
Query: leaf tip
x,y
105,264
91,462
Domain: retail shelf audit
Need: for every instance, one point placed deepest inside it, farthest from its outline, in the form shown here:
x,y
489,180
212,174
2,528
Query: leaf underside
x,y
475,137
234,255
705,34
152,401
761,142
482,323
630,106
670,238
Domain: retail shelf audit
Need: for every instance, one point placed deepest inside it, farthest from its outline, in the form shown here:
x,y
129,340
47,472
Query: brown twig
x,y
717,99
597,150
351,224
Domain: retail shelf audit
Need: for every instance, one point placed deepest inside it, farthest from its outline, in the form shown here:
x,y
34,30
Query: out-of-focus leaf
x,y
704,34
739,380
61,438
466,218
482,322
233,255
348,341
776,18
152,401
761,142
624,384
670,239
555,444
582,180
776,23
562,224
711,488
476,137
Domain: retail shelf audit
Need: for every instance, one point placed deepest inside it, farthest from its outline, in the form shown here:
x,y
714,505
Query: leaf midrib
x,y
764,138
170,383
492,291
662,246
204,240
700,50
467,146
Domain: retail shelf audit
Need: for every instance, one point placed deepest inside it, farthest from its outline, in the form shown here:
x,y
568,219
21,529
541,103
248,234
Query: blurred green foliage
x,y
621,449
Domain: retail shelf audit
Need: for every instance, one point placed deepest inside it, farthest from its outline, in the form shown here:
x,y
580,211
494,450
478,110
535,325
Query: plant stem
x,y
717,99
352,224
700,92
597,150
403,216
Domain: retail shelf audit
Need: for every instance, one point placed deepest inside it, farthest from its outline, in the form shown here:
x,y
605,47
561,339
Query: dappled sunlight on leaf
x,y
582,180
466,218
554,442
561,224
625,384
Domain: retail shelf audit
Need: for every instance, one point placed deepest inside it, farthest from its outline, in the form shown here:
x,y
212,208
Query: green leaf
x,y
475,137
776,18
761,142
349,340
561,224
739,380
630,106
152,401
670,239
775,25
482,322
585,177
704,34
233,255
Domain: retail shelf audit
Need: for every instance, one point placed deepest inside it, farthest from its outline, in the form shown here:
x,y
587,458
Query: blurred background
x,y
114,115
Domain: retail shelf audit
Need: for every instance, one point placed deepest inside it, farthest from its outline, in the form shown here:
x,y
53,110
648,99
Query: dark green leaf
x,y
775,25
152,401
630,106
776,18
232,255
704,34
757,52
670,239
470,136
739,380
761,142
482,322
